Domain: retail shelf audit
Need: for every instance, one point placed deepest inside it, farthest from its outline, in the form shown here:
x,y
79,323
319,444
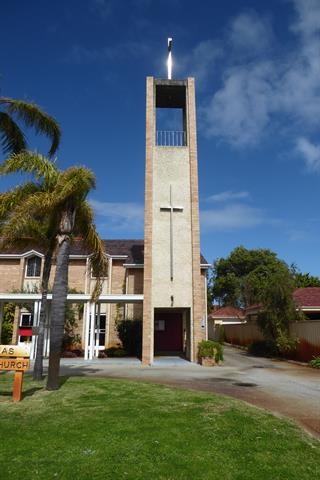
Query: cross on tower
x,y
170,208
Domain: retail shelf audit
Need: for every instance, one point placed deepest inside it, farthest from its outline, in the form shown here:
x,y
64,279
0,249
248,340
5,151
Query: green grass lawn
x,y
96,428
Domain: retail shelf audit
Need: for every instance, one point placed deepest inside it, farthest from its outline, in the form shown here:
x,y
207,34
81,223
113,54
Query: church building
x,y
161,279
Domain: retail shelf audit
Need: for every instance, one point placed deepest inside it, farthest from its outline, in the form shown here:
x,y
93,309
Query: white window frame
x,y
91,273
30,318
26,268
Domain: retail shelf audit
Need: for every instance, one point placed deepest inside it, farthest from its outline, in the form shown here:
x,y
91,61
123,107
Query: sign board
x,y
14,364
13,351
12,357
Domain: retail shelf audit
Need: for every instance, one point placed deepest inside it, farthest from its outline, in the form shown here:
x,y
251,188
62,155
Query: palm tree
x,y
12,138
57,206
40,231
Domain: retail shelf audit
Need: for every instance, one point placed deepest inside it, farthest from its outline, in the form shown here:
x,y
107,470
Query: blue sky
x,y
257,70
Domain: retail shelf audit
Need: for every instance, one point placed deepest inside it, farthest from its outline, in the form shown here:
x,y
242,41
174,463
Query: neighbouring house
x,y
220,316
226,316
308,331
161,279
308,301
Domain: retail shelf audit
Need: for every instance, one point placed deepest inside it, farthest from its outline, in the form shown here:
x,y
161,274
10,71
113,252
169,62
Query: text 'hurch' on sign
x,y
14,364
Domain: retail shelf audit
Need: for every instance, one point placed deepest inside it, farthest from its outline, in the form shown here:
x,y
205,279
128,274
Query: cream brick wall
x,y
10,275
135,280
135,286
77,274
118,280
118,286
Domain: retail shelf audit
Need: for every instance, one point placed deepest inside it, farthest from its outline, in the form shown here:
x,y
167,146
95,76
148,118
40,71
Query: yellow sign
x,y
14,364
13,351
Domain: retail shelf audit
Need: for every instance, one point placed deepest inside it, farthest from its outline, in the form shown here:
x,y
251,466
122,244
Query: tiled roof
x,y
227,312
134,249
307,297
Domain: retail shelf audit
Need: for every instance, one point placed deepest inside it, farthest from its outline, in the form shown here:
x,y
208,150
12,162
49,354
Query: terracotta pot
x,y
207,362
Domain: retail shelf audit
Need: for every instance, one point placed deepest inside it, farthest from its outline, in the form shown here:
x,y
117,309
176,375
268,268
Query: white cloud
x,y
199,61
227,196
120,216
240,111
232,217
250,32
310,153
308,21
257,93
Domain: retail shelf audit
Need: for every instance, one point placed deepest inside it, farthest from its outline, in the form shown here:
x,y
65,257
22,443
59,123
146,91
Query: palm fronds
x,y
33,116
11,137
10,200
30,162
75,182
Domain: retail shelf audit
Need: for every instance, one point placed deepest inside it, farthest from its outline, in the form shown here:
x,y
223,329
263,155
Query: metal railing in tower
x,y
171,138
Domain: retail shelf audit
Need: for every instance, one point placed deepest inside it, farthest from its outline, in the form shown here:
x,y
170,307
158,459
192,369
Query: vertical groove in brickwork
x,y
198,331
147,341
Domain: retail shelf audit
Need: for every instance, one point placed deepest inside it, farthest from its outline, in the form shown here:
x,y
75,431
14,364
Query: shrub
x,y
68,354
315,362
7,325
263,348
221,334
130,334
115,352
208,348
70,337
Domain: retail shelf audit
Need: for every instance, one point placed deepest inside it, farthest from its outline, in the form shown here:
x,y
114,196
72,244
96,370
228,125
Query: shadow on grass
x,y
25,393
63,380
32,390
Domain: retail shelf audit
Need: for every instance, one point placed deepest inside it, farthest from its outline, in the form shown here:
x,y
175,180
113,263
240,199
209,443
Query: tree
x,y
38,230
240,278
303,280
278,310
12,137
57,210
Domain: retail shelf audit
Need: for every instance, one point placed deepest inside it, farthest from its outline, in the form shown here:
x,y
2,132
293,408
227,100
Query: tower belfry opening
x,y
170,105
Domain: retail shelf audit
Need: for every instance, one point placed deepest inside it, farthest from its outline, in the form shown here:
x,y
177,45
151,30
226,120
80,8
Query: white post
x,y
35,322
47,331
97,330
108,307
87,327
92,329
206,303
1,318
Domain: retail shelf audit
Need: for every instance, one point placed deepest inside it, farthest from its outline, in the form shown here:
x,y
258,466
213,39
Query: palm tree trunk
x,y
59,299
38,365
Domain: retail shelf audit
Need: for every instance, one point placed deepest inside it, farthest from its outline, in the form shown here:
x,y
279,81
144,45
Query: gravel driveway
x,y
284,388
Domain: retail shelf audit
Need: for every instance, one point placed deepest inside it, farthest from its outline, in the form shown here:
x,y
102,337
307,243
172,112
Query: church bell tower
x,y
173,303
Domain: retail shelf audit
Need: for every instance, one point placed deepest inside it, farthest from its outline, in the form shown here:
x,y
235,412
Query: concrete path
x,y
284,388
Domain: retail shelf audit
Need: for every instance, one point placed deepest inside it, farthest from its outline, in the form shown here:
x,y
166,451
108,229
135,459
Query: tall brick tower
x,y
173,303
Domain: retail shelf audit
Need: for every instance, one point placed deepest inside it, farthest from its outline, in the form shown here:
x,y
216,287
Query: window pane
x,y
34,267
26,320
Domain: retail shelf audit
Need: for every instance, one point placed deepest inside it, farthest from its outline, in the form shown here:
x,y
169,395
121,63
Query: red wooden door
x,y
168,332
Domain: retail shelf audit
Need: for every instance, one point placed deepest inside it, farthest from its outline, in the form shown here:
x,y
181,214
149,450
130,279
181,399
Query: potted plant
x,y
210,353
